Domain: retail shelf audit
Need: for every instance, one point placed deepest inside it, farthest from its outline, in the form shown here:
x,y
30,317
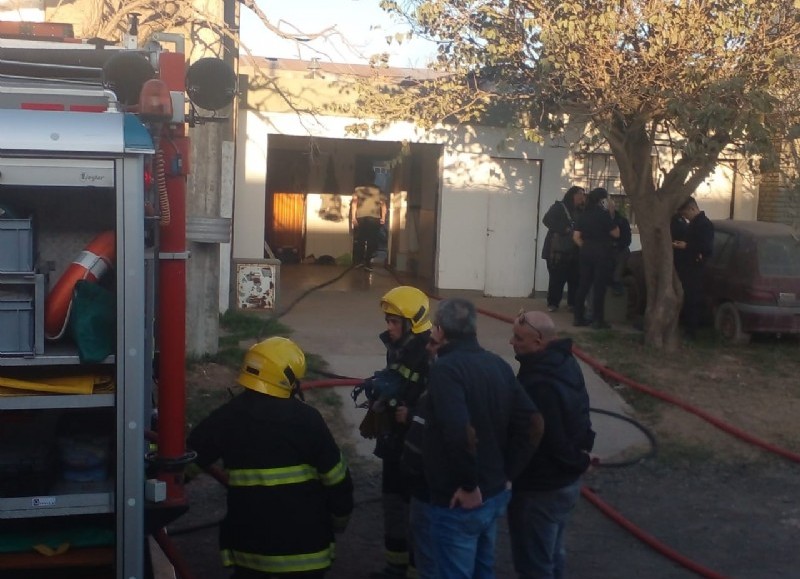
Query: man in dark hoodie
x,y
545,494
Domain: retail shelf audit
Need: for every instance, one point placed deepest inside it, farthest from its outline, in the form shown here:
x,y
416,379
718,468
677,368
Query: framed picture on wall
x,y
257,284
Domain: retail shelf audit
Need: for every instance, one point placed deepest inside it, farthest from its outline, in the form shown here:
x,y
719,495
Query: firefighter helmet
x,y
273,367
409,303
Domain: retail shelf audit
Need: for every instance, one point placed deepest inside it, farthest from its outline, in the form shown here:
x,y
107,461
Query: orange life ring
x,y
91,264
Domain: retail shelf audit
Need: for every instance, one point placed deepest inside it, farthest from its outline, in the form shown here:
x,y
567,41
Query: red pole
x,y
171,311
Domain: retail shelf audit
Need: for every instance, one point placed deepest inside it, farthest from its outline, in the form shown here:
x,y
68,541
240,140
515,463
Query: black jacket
x,y
559,220
409,360
595,225
554,381
471,388
699,241
289,486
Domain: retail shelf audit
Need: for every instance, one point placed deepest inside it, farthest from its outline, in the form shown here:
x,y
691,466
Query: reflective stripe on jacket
x,y
289,487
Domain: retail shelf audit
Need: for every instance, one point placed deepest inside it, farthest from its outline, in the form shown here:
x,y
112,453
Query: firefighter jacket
x,y
409,359
289,488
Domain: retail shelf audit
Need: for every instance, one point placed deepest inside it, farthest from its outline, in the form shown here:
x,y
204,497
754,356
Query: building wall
x,y
455,245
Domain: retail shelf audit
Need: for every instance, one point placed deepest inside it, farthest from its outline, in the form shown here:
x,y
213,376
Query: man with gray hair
x,y
481,430
546,492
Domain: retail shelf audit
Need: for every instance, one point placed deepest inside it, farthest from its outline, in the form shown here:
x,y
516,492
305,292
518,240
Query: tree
x,y
699,78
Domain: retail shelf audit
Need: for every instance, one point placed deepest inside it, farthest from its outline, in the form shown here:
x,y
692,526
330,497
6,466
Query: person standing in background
x,y
594,234
559,250
367,217
622,249
696,251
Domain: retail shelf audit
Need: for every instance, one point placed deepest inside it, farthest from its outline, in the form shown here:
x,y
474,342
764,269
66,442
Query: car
x,y
752,280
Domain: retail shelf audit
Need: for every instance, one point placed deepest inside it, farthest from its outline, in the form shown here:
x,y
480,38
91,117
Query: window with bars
x,y
600,170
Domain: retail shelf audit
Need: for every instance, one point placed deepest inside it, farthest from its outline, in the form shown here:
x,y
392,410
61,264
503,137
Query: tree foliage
x,y
694,78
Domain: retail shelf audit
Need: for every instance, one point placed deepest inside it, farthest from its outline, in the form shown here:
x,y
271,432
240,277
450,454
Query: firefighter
x,y
393,393
289,489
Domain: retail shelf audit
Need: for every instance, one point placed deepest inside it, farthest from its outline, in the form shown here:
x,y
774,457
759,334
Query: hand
x,y
401,414
679,244
466,499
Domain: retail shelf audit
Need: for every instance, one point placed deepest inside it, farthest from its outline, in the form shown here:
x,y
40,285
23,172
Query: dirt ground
x,y
724,507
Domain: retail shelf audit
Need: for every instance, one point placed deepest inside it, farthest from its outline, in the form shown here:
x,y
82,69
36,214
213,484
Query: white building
x,y
466,202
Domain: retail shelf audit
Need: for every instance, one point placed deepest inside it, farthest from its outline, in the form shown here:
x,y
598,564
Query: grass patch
x,y
237,328
676,453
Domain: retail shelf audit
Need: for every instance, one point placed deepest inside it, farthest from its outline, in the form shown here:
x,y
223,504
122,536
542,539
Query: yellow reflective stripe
x,y
270,477
405,372
397,557
335,475
279,563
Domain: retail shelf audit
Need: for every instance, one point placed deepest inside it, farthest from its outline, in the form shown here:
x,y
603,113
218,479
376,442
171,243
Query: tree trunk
x,y
632,146
664,291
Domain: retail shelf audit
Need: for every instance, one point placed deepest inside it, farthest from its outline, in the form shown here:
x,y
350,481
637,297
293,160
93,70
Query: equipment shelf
x,y
97,499
54,355
52,401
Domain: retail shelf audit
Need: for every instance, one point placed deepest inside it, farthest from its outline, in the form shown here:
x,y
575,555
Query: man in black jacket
x,y
289,489
481,430
546,492
695,250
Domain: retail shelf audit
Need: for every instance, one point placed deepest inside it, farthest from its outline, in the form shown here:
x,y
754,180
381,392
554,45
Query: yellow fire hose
x,y
59,385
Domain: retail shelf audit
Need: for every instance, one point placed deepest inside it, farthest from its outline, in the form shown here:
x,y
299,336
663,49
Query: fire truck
x,y
94,158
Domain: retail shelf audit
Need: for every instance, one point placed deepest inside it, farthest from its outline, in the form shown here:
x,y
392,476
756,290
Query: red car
x,y
752,281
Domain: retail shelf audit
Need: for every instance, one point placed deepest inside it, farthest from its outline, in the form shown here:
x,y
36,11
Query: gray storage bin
x,y
16,245
21,314
16,326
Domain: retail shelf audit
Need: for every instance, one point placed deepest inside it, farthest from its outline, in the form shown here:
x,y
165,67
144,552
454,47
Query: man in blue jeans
x,y
546,492
481,430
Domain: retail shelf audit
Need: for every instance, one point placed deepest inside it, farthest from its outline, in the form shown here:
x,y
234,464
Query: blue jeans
x,y
424,555
464,539
536,523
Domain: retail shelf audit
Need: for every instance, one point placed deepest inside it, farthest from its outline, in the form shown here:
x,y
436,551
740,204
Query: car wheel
x,y
728,324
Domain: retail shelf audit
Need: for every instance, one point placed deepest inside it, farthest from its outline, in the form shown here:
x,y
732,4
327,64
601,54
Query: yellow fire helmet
x,y
409,303
273,367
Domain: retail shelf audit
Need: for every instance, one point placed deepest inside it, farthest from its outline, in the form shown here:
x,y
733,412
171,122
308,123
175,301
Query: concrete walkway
x,y
341,322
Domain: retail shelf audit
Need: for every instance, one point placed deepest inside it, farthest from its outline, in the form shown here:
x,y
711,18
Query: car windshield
x,y
779,257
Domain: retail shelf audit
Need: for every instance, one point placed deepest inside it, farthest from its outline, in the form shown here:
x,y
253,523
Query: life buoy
x,y
97,258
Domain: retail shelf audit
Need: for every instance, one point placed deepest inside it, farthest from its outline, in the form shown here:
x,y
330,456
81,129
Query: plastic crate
x,y
16,245
21,314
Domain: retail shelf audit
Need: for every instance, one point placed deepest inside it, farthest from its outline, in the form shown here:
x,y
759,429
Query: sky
x,y
362,24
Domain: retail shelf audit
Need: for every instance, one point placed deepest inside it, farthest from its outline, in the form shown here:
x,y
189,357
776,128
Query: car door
x,y
719,283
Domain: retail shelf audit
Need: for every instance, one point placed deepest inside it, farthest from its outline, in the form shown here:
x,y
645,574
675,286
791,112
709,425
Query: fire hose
x,y
586,492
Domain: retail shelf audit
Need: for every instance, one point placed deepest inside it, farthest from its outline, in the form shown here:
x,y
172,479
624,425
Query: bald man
x,y
545,494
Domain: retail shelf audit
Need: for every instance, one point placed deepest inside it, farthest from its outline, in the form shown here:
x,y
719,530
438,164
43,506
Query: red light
x,y
43,107
148,178
155,102
88,108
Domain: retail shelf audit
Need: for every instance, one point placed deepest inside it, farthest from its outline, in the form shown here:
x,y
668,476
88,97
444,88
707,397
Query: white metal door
x,y
511,227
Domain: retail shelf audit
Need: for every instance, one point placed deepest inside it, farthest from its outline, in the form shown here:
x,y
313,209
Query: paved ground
x,y
341,322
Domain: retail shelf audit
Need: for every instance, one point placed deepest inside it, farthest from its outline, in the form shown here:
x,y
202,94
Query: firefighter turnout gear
x,y
409,303
399,384
273,367
289,488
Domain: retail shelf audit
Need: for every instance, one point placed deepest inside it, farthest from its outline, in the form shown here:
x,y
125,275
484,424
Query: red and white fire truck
x,y
94,156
